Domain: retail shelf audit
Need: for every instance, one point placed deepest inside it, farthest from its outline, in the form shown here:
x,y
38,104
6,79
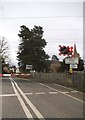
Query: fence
x,y
75,80
60,78
78,80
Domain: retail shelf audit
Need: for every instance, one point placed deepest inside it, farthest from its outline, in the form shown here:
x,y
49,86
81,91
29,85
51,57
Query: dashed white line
x,y
53,92
8,95
41,93
67,88
63,93
28,93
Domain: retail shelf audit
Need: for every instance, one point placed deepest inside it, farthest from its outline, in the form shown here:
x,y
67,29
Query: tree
x,y
55,58
63,67
80,65
31,48
4,55
4,50
55,64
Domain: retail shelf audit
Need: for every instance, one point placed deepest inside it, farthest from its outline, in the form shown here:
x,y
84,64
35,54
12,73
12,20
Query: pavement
x,y
27,98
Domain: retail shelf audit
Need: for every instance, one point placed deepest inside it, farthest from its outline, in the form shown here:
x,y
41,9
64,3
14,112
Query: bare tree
x,y
4,49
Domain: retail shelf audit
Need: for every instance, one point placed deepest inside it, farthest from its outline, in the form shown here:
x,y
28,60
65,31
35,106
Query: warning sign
x,y
73,66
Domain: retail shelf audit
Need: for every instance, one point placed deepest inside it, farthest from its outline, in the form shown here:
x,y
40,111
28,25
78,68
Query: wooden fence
x,y
75,80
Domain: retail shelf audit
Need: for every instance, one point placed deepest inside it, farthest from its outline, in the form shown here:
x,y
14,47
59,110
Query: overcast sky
x,y
62,23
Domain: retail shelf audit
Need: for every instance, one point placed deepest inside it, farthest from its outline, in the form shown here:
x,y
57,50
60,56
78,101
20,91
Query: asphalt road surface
x,y
22,98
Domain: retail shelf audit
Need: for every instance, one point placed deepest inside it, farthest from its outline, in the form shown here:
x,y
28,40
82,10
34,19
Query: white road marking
x,y
28,93
48,87
38,114
53,92
67,88
74,91
8,95
62,86
27,112
62,93
41,93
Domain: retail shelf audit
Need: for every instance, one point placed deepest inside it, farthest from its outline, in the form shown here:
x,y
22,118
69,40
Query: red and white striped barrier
x,y
16,75
6,75
1,75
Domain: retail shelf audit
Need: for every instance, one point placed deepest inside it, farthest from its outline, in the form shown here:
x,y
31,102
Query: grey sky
x,y
62,23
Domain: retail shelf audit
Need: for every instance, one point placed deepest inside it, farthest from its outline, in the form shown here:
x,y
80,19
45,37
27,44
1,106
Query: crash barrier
x,y
75,80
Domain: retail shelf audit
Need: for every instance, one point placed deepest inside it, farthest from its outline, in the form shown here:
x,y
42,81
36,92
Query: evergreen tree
x,y
31,48
80,65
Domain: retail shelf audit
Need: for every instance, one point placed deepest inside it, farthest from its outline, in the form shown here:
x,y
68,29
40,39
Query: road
x,y
22,98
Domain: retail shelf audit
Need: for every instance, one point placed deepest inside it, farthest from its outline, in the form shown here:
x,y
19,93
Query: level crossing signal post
x,y
65,50
71,60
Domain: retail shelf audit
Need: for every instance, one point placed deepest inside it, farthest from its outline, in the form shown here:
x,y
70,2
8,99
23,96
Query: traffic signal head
x,y
65,50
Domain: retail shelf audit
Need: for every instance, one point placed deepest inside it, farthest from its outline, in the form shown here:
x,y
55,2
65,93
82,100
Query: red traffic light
x,y
65,50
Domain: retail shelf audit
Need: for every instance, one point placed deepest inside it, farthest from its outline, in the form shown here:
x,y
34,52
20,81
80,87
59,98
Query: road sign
x,y
72,60
73,66
29,67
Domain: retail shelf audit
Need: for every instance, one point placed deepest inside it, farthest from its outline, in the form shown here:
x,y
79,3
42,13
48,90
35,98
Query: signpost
x,y
28,67
72,60
73,66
